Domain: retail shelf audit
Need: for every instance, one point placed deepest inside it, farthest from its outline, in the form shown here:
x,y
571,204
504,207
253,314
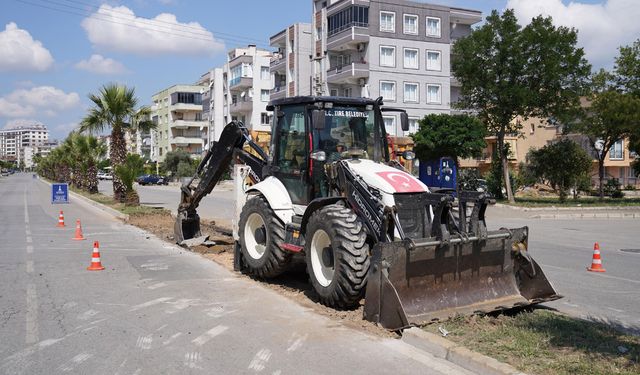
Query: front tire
x,y
261,234
337,256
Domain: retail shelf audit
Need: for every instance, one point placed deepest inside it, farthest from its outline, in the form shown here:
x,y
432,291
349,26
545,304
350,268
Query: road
x,y
564,248
156,308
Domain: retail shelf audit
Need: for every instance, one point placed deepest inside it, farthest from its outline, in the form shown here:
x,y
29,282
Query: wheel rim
x,y
255,245
322,261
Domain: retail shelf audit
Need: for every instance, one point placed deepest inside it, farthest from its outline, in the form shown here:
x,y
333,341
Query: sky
x,y
54,53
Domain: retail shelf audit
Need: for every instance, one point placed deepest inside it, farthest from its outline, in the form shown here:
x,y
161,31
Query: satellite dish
x,y
599,145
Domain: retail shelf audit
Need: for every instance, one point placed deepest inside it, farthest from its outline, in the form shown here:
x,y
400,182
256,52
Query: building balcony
x,y
185,107
278,64
350,73
185,141
279,39
278,92
241,106
353,37
240,83
239,60
185,124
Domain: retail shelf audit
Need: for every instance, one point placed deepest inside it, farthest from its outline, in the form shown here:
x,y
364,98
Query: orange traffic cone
x,y
96,265
596,263
61,220
79,236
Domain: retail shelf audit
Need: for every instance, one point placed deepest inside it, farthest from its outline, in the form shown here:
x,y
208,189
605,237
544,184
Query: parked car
x,y
104,176
152,179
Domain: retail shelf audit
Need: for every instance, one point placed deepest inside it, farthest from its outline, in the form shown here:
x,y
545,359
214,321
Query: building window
x,y
433,94
264,118
617,151
411,58
387,56
333,92
433,27
264,73
388,22
434,62
354,16
347,92
388,90
264,95
413,125
390,125
411,92
410,24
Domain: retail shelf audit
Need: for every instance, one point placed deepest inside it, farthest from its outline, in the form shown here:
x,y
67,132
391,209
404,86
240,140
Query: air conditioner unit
x,y
361,82
360,47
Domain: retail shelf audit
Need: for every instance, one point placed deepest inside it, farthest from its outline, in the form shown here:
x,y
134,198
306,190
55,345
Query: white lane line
x,y
172,338
32,315
29,266
156,286
26,210
150,303
207,336
29,239
598,275
27,231
259,361
29,249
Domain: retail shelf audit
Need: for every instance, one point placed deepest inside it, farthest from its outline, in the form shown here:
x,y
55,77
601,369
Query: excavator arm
x,y
215,162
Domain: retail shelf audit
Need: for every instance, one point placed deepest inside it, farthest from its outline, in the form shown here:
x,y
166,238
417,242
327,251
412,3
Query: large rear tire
x,y
261,234
337,256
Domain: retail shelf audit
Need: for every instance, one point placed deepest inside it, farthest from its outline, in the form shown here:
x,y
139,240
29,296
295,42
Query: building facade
x,y
177,111
291,62
399,50
14,140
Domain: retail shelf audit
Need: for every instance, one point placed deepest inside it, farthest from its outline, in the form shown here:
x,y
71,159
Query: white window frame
x,y
404,24
394,56
264,115
439,34
393,99
414,129
262,92
404,92
404,58
394,126
439,93
426,57
611,157
264,69
394,21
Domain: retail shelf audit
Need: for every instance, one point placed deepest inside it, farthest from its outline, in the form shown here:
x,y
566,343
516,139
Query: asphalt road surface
x,y
156,309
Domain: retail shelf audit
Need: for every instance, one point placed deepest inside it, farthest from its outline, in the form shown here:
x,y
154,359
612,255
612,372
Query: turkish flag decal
x,y
402,182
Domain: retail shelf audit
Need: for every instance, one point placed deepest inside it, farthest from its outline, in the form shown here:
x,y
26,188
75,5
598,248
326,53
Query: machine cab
x,y
309,132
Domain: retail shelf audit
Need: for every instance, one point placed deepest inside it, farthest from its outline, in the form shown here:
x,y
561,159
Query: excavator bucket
x,y
414,282
186,227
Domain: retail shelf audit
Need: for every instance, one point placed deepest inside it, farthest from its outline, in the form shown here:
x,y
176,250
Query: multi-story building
x,y
177,112
13,140
397,49
291,62
213,105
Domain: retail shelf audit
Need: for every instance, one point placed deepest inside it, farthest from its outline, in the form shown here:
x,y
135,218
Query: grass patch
x,y
581,202
108,200
545,342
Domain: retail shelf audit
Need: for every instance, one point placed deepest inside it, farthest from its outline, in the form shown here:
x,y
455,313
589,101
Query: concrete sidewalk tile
x,y
427,341
478,363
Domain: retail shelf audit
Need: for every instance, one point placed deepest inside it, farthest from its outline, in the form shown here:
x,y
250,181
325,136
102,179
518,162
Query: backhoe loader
x,y
328,191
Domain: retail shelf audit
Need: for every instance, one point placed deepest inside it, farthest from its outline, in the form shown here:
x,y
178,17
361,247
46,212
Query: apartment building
x,y
13,140
213,105
397,49
177,111
291,62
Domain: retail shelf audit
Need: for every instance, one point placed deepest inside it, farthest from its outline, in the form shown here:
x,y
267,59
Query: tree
x,y
562,164
127,172
508,73
455,136
627,70
173,159
115,108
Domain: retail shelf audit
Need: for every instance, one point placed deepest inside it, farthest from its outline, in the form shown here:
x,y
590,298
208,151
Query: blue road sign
x,y
59,193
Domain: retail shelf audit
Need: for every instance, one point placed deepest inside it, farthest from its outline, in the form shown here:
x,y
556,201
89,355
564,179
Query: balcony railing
x,y
346,26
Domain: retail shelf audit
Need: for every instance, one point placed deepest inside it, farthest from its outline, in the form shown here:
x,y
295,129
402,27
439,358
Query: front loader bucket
x,y
413,285
186,227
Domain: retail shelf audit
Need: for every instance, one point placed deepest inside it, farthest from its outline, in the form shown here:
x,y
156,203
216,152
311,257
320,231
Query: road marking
x,y
297,343
144,342
150,303
29,266
259,361
26,209
172,338
29,249
191,360
31,336
207,336
156,286
598,275
78,359
27,231
162,327
29,239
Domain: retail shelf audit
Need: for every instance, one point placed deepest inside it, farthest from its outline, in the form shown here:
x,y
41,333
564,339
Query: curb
x,y
94,204
625,215
576,208
457,354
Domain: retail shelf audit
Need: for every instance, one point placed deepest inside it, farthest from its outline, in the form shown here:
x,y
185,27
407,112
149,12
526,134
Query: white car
x,y
104,176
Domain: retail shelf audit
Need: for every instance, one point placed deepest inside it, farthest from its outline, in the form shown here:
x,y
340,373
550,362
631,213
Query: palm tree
x,y
115,108
90,150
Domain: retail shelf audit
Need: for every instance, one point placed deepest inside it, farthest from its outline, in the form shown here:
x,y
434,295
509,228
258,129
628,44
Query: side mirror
x,y
318,155
318,119
408,155
404,121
